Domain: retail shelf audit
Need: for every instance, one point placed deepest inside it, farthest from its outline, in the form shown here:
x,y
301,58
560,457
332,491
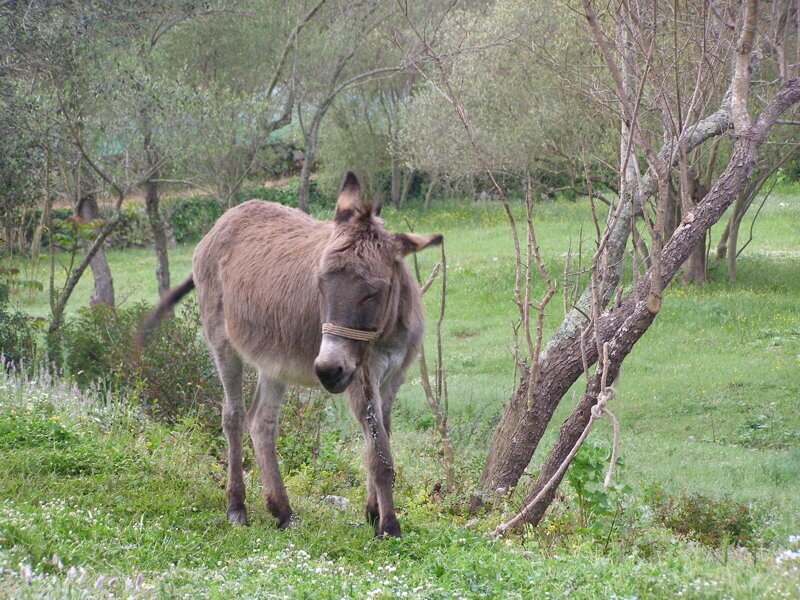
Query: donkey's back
x,y
255,277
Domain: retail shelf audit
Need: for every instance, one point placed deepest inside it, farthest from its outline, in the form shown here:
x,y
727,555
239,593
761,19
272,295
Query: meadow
x,y
97,499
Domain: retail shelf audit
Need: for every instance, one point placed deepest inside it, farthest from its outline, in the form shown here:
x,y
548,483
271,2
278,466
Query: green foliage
x,y
585,475
714,523
286,194
310,445
301,421
356,137
173,377
18,330
134,231
791,171
29,428
191,218
20,160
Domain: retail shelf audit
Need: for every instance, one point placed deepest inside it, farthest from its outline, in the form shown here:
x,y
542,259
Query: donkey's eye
x,y
368,297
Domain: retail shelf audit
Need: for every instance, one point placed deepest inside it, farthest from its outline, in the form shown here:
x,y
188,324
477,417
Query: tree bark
x,y
623,326
431,187
86,209
733,242
407,180
303,196
695,270
152,205
395,184
158,229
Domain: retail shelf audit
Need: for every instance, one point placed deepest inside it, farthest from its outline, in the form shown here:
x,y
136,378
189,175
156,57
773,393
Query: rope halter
x,y
359,335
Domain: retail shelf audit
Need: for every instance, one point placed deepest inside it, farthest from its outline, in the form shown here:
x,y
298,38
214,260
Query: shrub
x,y
191,218
174,376
585,475
285,194
17,329
134,231
714,523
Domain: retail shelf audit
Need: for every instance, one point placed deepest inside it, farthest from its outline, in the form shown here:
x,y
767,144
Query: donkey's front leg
x,y
380,466
387,397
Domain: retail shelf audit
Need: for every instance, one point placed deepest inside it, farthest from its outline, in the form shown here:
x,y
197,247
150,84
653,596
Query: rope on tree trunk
x,y
600,408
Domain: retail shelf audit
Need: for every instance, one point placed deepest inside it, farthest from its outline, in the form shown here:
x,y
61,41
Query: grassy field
x,y
97,499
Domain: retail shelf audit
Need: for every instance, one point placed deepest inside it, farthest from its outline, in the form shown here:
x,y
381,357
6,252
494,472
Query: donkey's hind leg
x,y
229,367
262,419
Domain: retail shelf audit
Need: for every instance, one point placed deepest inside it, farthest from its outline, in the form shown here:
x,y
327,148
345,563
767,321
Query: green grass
x,y
707,404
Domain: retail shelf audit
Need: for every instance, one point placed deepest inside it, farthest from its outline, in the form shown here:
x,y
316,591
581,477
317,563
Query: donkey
x,y
307,302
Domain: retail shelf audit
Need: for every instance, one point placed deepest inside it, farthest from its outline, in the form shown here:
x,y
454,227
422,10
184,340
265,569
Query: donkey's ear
x,y
351,200
408,243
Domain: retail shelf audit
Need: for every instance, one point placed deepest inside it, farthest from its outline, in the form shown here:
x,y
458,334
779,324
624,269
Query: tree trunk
x,y
640,247
733,242
743,203
36,242
407,181
86,209
522,423
431,187
303,192
395,184
159,236
695,270
730,238
672,210
722,246
58,305
625,324
152,202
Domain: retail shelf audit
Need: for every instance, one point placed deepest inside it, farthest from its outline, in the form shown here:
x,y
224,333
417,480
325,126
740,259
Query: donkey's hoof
x,y
291,521
390,528
238,516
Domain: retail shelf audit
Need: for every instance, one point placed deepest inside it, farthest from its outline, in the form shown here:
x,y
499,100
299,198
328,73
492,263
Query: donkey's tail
x,y
168,300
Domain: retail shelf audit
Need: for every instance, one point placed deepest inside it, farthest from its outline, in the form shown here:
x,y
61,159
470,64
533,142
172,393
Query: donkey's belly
x,y
291,373
282,366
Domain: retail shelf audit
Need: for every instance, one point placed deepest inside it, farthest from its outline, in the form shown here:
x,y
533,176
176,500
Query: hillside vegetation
x,y
98,498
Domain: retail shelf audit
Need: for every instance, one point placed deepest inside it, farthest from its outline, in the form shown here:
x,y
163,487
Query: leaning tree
x,y
674,77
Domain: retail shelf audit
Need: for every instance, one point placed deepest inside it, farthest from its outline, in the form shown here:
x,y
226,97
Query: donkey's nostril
x,y
328,374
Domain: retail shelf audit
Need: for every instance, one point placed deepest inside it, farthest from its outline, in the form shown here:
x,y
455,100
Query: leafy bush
x,y
134,231
311,448
191,218
791,170
174,375
285,194
585,475
714,523
17,329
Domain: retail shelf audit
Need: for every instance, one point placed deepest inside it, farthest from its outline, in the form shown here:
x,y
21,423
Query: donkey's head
x,y
359,279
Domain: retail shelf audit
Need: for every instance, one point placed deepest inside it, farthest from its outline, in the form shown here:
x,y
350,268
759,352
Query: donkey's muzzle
x,y
334,378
